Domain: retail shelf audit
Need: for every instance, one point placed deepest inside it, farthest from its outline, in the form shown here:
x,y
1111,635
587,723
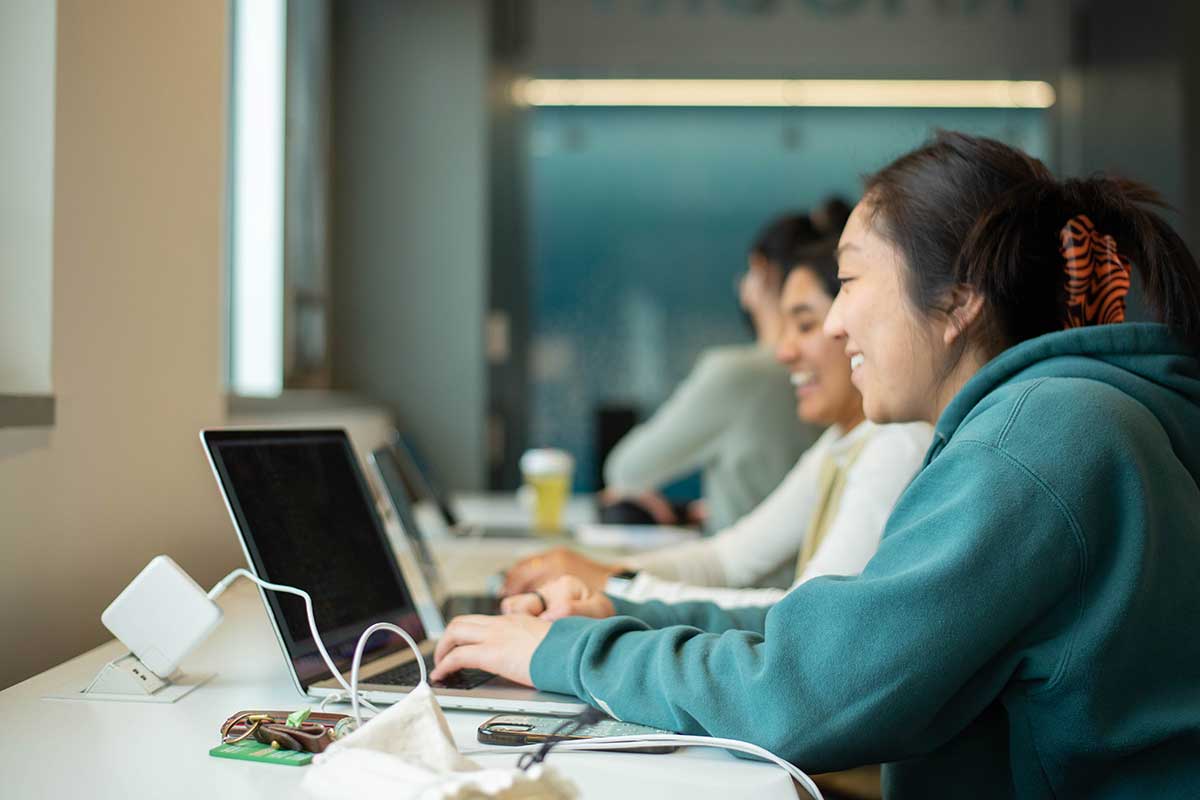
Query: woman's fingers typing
x,y
503,645
460,631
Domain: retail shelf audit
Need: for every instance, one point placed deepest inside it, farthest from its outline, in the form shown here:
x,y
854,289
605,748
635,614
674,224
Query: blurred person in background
x,y
732,418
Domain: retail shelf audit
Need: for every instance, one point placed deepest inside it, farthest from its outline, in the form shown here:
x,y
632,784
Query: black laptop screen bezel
x,y
306,662
417,472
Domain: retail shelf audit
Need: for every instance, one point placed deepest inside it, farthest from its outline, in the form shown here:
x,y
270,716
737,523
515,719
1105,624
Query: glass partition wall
x,y
638,224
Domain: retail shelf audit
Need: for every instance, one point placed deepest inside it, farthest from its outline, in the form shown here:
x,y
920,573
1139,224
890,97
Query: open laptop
x,y
418,478
449,606
305,518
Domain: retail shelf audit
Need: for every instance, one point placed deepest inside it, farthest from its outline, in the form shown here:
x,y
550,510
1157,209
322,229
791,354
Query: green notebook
x,y
251,750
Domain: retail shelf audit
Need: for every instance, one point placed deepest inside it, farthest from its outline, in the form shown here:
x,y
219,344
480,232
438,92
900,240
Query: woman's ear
x,y
767,277
966,305
760,287
773,276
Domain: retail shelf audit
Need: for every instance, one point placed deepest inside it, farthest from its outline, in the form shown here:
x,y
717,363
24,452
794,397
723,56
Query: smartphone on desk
x,y
519,729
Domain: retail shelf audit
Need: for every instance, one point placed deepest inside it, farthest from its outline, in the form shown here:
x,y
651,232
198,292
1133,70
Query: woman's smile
x,y
805,381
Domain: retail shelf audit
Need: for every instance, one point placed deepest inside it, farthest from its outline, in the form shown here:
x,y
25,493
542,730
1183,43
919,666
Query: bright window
x,y
27,48
256,197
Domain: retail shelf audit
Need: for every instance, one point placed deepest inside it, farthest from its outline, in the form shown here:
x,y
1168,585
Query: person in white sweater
x,y
825,518
731,418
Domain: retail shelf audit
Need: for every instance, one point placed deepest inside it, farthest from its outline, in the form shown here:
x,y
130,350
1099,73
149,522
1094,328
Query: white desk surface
x,y
97,749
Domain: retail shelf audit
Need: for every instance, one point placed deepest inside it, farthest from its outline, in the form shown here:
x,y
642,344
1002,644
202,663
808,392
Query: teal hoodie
x,y
1028,626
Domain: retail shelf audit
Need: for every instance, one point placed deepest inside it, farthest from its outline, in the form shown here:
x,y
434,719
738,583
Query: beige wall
x,y
136,331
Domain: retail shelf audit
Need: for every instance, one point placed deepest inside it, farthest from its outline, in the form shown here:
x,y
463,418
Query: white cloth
x,y
770,536
407,752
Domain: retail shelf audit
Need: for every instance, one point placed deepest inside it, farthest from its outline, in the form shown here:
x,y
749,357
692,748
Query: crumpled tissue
x,y
408,753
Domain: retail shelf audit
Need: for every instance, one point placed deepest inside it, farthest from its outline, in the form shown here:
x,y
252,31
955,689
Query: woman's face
x,y
894,354
819,369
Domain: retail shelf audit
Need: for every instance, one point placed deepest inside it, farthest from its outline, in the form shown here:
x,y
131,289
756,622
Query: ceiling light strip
x,y
784,93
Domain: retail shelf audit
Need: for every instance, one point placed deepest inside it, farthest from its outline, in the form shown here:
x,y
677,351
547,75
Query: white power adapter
x,y
161,616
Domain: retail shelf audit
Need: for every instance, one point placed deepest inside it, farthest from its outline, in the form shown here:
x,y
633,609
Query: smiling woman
x,y
819,369
895,354
975,281
1051,533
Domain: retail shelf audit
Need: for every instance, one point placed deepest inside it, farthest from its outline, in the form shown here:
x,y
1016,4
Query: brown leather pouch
x,y
270,727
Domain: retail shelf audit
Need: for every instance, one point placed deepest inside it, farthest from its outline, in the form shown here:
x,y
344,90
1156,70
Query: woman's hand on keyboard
x,y
567,596
503,645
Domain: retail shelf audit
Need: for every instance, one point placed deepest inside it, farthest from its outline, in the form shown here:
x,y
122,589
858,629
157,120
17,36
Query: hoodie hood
x,y
1143,360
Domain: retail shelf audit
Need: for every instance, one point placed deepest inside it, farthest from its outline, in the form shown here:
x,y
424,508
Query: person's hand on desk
x,y
567,596
503,645
652,504
536,571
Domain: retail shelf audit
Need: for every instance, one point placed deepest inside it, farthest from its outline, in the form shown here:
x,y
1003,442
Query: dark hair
x,y
966,210
819,258
830,216
778,241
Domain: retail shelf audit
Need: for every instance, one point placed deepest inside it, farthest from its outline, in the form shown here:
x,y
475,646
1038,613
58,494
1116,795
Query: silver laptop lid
x,y
391,476
305,518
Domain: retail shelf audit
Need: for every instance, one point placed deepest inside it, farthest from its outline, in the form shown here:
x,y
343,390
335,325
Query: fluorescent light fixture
x,y
784,93
260,29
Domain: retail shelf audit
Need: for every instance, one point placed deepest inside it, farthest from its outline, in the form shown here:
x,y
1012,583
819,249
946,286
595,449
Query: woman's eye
x,y
807,327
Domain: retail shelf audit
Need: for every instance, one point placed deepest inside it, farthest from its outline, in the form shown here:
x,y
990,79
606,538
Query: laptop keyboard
x,y
457,605
409,674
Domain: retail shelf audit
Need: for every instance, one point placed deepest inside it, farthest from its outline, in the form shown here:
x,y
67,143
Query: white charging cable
x,y
358,653
658,740
351,687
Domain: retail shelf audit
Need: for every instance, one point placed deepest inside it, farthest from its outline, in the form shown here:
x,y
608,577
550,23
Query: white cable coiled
x,y
358,652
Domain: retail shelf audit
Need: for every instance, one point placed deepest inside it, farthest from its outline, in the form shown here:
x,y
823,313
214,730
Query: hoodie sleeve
x,y
704,615
883,666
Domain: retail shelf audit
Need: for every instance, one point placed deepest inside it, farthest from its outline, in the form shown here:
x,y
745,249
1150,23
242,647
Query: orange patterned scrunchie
x,y
1097,275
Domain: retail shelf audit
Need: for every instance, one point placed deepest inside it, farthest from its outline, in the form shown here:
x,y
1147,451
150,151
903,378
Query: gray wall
x,y
1190,24
1138,111
1133,120
410,219
804,38
510,281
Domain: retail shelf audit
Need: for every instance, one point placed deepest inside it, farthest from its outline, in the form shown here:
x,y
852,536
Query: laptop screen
x,y
417,473
307,520
393,483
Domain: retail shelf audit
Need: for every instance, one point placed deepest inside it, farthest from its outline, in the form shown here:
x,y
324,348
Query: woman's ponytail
x,y
1014,254
971,211
1170,276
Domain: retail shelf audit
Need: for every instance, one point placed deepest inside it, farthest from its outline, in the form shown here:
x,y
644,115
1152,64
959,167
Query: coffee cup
x,y
546,473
